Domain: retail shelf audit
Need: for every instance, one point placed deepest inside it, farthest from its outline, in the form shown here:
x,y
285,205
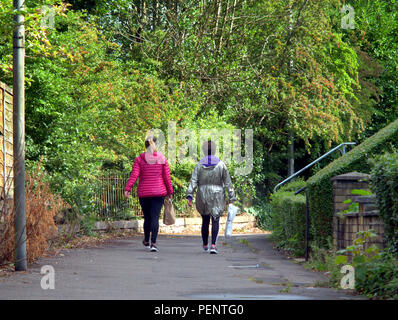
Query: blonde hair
x,y
150,144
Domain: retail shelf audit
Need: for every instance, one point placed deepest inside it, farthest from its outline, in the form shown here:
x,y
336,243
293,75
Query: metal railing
x,y
111,203
110,200
340,147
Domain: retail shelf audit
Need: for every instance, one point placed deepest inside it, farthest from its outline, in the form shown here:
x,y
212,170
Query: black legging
x,y
215,225
151,207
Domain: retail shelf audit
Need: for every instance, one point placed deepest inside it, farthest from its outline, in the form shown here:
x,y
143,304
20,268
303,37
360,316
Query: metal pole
x,y
19,137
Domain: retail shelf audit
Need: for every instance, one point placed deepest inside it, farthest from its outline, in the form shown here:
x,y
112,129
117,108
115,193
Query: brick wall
x,y
345,227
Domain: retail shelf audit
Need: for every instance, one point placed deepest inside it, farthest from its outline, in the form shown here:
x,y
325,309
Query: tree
x,y
376,25
235,55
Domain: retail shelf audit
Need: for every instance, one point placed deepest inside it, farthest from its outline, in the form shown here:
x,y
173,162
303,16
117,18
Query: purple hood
x,y
209,161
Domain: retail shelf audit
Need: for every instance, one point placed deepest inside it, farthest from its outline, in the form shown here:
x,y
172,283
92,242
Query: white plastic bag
x,y
232,211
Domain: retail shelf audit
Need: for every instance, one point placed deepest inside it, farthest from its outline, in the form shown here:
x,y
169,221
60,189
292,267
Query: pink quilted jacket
x,y
154,175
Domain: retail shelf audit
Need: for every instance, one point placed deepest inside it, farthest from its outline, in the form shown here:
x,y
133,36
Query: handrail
x,y
300,190
340,146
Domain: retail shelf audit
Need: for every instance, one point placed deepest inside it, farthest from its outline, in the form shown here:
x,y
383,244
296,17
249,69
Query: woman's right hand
x,y
126,194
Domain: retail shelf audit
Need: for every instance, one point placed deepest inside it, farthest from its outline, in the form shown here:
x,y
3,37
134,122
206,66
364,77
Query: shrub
x,y
41,207
360,254
384,183
376,273
320,188
322,259
378,279
288,218
262,212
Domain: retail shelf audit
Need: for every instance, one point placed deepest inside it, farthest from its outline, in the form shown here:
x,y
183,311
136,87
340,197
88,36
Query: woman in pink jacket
x,y
154,185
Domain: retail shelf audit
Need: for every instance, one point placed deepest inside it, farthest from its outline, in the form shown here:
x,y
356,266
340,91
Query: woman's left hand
x,y
169,196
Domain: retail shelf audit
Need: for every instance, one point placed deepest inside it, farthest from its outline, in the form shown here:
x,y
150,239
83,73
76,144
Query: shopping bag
x,y
169,217
232,211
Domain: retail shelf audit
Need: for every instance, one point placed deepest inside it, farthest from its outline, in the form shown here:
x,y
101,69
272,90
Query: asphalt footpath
x,y
246,268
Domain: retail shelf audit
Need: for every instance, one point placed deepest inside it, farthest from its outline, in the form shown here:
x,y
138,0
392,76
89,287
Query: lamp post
x,y
19,136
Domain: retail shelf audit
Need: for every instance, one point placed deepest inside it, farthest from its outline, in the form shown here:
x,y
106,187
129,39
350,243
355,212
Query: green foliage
x,y
375,34
293,186
375,272
323,259
384,183
238,59
354,206
37,40
379,279
358,252
87,225
91,109
320,188
255,72
102,78
262,212
288,218
361,192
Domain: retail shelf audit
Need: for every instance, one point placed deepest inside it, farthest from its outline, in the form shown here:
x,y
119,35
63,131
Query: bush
x,y
322,259
320,188
376,273
41,207
288,218
262,212
378,279
384,183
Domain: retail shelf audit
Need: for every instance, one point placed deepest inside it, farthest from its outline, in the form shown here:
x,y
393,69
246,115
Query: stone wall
x,y
182,225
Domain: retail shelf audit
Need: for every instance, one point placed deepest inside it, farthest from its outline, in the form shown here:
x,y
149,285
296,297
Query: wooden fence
x,y
6,141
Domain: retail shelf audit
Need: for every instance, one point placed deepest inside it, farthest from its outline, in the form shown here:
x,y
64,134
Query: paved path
x,y
246,268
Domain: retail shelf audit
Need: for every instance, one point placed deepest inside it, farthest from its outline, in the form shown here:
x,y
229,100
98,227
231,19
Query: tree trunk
x,y
218,8
291,155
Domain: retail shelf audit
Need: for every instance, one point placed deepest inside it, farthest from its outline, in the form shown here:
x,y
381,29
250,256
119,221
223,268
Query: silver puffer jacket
x,y
211,181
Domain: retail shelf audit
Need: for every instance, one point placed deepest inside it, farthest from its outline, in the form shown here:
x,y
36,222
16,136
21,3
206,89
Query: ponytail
x,y
150,144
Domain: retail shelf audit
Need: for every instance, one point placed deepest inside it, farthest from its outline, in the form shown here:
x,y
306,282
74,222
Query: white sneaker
x,y
146,244
213,249
154,248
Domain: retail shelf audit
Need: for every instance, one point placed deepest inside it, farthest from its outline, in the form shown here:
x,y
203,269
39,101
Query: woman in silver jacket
x,y
211,178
